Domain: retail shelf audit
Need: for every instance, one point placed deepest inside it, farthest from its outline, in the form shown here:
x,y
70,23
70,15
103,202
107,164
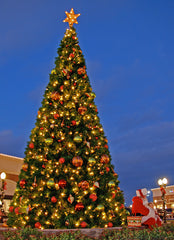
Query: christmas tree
x,y
67,179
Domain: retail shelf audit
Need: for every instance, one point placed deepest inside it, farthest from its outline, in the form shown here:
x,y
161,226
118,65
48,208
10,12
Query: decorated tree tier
x,y
67,179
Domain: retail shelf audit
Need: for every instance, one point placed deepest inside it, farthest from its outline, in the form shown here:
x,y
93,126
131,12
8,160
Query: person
x,y
140,205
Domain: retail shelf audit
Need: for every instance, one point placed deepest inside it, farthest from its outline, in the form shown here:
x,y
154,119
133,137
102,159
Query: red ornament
x,y
81,71
110,224
79,206
107,169
113,195
83,224
62,183
25,167
122,206
43,166
66,223
71,55
84,185
61,87
37,225
82,110
104,159
73,37
53,199
93,197
34,184
11,208
73,122
61,160
56,116
77,161
17,210
106,146
70,199
22,183
55,96
31,145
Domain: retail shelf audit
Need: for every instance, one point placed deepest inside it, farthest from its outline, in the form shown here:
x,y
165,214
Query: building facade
x,y
11,166
169,197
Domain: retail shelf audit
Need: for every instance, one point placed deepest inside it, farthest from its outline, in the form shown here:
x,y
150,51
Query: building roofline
x,y
159,187
9,156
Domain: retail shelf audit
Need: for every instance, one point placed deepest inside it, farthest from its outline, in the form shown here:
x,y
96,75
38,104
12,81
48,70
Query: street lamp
x,y
162,183
2,190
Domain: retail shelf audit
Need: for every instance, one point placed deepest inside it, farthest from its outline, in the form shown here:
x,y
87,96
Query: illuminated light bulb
x,y
91,216
62,194
77,224
116,209
66,170
85,192
106,226
89,207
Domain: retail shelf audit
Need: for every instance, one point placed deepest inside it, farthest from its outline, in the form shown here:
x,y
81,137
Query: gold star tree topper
x,y
71,17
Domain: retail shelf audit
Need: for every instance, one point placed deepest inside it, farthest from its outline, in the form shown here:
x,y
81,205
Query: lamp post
x,y
2,191
162,183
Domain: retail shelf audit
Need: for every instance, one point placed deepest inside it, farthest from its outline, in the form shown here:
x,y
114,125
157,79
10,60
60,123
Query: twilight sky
x,y
128,46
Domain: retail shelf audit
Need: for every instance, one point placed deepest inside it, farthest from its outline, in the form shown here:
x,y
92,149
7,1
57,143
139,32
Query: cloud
x,y
143,155
11,144
148,137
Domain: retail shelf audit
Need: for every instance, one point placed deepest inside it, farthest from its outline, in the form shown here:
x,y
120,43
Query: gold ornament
x,y
71,17
100,207
77,139
91,161
111,184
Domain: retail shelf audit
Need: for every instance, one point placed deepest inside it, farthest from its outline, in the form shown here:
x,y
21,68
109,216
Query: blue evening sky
x,y
129,51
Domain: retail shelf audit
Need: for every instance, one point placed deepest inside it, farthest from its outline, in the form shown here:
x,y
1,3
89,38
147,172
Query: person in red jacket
x,y
140,206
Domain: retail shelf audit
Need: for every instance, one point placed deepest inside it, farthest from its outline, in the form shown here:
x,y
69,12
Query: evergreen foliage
x,y
67,179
